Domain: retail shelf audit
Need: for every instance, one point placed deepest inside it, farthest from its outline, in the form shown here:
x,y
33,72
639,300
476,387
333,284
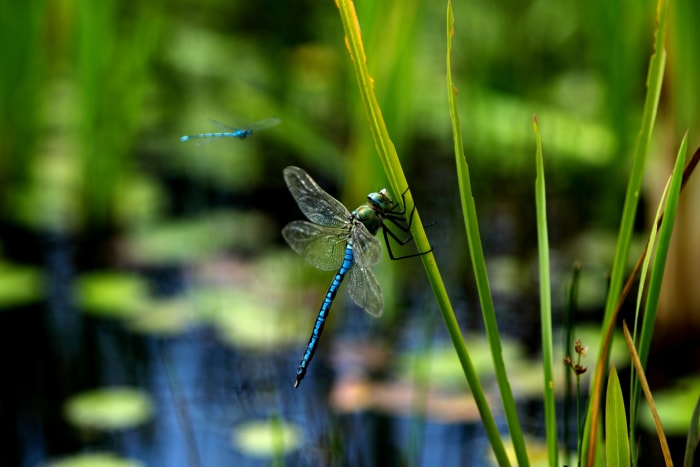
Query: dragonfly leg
x,y
388,233
413,210
397,219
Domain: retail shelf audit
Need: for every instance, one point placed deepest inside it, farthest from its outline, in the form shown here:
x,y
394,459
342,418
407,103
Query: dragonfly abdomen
x,y
323,313
240,134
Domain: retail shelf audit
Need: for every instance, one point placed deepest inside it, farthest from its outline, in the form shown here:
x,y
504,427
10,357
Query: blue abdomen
x,y
323,313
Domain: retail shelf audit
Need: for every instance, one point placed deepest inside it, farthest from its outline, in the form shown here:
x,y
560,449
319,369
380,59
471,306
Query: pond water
x,y
194,364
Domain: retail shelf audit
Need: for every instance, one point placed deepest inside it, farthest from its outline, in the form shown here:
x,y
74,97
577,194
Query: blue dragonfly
x,y
337,239
230,132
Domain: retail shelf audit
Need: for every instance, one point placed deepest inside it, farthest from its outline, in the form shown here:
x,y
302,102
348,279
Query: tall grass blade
x,y
478,261
657,272
657,269
550,415
392,166
651,103
607,340
647,256
23,63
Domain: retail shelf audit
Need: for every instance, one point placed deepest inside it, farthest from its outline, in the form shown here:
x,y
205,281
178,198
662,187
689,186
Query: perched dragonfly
x,y
337,239
230,132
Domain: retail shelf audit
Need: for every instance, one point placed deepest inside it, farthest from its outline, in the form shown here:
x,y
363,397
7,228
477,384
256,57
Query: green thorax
x,y
372,213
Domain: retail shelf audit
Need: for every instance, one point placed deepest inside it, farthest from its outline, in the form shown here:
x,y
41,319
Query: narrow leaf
x,y
647,393
545,303
617,448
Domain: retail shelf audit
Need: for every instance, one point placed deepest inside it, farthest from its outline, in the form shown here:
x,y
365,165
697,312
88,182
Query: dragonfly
x,y
337,239
230,132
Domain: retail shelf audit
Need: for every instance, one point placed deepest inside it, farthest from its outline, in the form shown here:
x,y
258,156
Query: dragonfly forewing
x,y
317,205
260,125
367,247
323,247
365,291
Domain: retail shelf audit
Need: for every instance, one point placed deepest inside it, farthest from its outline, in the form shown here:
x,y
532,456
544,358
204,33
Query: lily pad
x,y
163,317
248,310
19,285
248,319
445,368
201,238
109,408
266,438
675,407
94,459
537,453
112,294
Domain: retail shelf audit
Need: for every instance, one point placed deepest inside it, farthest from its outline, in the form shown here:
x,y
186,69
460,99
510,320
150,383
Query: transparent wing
x,y
323,247
365,291
260,125
367,248
317,205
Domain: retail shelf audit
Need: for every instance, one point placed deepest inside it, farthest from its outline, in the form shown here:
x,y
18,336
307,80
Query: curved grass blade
x,y
647,393
392,167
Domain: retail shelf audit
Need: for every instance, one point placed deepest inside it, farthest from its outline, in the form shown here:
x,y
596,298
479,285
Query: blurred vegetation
x,y
94,96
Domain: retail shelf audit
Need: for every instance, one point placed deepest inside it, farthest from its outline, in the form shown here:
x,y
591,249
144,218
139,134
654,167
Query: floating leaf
x,y
268,438
197,239
94,459
109,408
445,368
19,285
163,317
674,407
111,293
537,452
248,319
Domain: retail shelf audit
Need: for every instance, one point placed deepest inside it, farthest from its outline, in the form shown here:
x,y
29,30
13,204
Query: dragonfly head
x,y
381,200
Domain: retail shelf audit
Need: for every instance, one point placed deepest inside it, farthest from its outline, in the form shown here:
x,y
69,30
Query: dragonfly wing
x,y
323,247
222,126
262,124
365,291
367,247
317,205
